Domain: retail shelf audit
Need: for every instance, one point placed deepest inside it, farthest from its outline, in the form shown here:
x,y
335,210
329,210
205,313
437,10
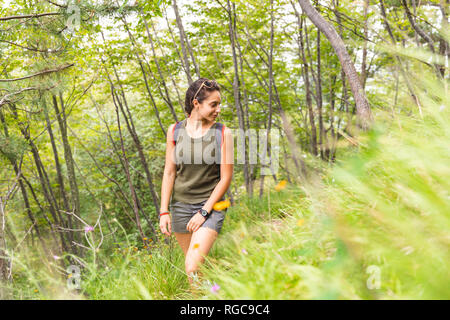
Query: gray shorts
x,y
183,212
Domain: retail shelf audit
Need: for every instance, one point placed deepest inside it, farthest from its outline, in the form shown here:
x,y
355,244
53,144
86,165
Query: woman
x,y
199,169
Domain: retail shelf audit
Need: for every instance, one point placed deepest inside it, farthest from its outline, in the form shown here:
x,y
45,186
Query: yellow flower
x,y
36,290
196,246
300,222
222,205
281,185
69,276
145,238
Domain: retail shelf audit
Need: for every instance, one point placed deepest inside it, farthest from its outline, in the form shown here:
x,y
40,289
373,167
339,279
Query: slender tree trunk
x,y
166,95
55,155
127,172
246,104
414,97
344,95
3,250
332,148
422,34
132,130
183,37
144,75
236,94
362,105
23,190
45,182
319,99
305,74
364,51
75,194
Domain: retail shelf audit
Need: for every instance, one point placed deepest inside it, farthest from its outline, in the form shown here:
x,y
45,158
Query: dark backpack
x,y
220,127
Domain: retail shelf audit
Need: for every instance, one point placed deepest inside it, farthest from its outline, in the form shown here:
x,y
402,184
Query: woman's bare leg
x,y
201,242
184,239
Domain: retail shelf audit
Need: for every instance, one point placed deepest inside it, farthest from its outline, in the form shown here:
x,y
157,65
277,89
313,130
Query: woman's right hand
x,y
165,224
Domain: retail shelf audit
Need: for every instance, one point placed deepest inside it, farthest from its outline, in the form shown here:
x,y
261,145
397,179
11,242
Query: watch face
x,y
204,212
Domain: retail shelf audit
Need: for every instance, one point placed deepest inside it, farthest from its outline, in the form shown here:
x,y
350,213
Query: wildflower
x,y
56,257
69,276
300,222
215,288
222,205
196,246
88,228
281,185
145,247
145,238
244,251
36,290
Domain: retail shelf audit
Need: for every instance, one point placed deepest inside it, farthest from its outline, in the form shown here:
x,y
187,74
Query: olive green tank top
x,y
197,164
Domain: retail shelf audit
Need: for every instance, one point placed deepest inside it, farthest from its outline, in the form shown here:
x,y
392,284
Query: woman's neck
x,y
197,123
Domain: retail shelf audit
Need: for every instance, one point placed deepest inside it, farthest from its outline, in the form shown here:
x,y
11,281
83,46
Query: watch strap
x,y
203,210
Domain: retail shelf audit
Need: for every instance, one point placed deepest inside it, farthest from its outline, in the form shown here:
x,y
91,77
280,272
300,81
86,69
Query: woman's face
x,y
210,107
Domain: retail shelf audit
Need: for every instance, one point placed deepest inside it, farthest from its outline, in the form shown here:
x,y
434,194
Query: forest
x,y
353,95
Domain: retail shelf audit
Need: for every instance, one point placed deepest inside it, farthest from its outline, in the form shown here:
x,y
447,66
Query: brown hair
x,y
199,90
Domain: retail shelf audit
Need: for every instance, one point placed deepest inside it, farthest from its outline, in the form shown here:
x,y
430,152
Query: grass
x,y
373,226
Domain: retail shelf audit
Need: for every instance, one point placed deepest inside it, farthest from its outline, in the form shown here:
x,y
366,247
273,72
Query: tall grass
x,y
374,226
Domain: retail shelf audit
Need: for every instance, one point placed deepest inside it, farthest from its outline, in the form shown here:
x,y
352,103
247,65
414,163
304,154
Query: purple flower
x,y
215,288
88,228
244,251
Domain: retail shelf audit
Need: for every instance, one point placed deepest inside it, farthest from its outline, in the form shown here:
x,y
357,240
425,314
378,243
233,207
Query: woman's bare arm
x,y
169,172
226,171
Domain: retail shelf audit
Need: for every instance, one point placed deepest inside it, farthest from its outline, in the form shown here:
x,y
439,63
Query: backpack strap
x,y
176,128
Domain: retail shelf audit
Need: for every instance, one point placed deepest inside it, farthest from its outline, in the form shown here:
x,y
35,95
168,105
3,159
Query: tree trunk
x,y
363,111
166,95
183,46
45,182
236,94
319,99
132,130
75,195
305,74
414,97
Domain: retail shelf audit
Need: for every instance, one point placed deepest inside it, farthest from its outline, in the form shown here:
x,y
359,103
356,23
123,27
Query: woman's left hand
x,y
196,222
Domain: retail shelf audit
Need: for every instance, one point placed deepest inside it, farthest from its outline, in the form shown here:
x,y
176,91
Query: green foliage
x,y
13,147
382,206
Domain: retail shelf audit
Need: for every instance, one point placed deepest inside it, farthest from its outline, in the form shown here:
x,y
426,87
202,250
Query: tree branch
x,y
38,15
28,48
39,73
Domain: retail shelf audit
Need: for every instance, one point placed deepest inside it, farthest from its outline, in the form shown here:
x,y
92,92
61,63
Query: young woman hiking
x,y
198,169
